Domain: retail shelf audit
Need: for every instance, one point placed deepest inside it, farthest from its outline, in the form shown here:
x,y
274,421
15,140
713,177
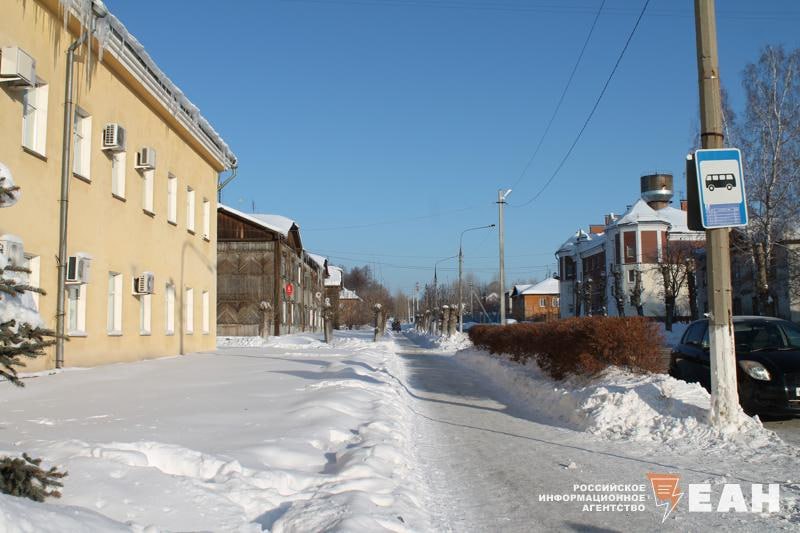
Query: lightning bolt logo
x,y
665,491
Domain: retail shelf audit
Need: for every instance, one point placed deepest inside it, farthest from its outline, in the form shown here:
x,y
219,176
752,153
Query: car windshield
x,y
752,336
792,332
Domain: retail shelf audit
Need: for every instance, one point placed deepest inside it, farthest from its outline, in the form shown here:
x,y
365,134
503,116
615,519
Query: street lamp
x,y
460,271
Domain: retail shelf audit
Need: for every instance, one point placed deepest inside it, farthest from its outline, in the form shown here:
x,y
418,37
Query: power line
x,y
563,95
398,220
591,113
740,14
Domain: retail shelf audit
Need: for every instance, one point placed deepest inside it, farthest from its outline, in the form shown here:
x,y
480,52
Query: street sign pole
x,y
724,395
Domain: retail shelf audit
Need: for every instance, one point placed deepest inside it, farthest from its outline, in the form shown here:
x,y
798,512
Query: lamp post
x,y
460,272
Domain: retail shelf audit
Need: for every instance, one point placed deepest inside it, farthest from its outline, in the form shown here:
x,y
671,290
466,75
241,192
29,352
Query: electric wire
x,y
563,95
591,113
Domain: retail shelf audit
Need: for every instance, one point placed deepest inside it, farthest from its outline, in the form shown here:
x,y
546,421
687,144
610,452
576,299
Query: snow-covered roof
x,y
548,286
279,223
642,212
113,37
318,259
518,289
334,278
276,223
348,294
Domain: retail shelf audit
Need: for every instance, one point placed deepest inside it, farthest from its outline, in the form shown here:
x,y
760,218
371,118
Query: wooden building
x,y
266,283
333,286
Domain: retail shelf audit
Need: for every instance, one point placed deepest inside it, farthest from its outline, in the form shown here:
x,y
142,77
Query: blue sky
x,y
385,127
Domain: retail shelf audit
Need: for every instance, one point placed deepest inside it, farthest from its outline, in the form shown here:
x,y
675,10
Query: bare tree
x,y
676,268
618,290
636,292
770,137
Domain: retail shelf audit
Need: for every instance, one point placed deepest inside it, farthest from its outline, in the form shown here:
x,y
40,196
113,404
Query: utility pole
x,y
724,395
501,200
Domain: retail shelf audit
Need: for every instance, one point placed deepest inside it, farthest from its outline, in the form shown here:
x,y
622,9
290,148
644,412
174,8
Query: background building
x,y
608,262
537,302
267,284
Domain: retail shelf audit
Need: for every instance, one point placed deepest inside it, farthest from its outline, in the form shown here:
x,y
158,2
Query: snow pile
x,y
459,341
620,405
292,435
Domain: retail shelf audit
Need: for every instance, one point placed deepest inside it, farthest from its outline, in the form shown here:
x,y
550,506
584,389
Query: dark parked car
x,y
767,357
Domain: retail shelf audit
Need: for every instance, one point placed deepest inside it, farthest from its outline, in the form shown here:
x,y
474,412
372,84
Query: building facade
x,y
625,255
267,283
537,302
141,232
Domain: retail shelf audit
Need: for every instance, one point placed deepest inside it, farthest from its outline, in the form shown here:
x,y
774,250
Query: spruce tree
x,y
19,340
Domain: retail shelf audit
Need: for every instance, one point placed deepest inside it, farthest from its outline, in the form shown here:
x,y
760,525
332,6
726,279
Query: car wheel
x,y
711,188
729,187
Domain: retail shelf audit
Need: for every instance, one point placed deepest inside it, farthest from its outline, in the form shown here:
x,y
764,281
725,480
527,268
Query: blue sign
x,y
720,183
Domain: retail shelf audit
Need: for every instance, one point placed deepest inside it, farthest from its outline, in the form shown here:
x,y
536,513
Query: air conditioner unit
x,y
17,67
77,269
114,138
146,158
144,284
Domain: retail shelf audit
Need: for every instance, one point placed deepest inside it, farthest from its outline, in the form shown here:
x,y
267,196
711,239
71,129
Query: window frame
x,y
36,125
114,304
82,145
188,310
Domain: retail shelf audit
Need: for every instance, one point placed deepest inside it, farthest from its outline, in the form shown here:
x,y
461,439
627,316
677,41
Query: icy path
x,y
486,461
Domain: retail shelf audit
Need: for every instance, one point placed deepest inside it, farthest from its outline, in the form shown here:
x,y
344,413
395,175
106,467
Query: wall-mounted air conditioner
x,y
77,269
17,67
144,284
146,158
114,138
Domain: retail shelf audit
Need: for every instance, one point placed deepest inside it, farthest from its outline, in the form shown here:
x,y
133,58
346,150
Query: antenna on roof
x,y
253,202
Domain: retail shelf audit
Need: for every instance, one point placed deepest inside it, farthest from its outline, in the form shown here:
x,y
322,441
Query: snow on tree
x,y
21,336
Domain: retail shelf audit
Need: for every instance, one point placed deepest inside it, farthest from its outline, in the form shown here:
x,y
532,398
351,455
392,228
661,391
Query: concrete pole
x,y
724,395
460,295
501,200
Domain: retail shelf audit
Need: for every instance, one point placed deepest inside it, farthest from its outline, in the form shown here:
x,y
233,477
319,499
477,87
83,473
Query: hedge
x,y
577,346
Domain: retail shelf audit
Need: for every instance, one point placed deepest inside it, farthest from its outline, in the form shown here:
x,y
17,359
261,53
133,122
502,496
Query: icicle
x,y
102,31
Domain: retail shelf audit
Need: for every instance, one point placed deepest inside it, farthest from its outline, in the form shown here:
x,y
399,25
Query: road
x,y
789,430
487,461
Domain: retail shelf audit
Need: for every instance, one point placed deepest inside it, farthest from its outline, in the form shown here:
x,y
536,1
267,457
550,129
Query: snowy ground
x,y
290,434
293,435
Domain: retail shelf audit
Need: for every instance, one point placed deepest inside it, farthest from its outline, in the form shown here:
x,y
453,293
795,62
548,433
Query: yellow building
x,y
142,177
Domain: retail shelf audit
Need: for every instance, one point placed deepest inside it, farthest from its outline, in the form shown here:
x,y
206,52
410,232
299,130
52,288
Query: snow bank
x,y
459,341
620,405
293,435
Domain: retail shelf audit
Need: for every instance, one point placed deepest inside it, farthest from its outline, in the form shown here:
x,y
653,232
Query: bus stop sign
x,y
720,187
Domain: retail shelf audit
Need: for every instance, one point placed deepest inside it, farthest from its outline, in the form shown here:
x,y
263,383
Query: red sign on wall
x,y
289,290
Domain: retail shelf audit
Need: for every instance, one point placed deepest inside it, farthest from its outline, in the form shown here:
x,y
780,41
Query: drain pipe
x,y
64,201
234,168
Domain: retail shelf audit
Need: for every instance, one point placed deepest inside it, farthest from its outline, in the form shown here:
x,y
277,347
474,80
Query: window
x,y
118,161
76,309
206,219
148,176
114,323
206,318
190,209
188,310
169,295
542,302
82,135
34,118
144,314
32,263
631,276
696,334
555,302
172,199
